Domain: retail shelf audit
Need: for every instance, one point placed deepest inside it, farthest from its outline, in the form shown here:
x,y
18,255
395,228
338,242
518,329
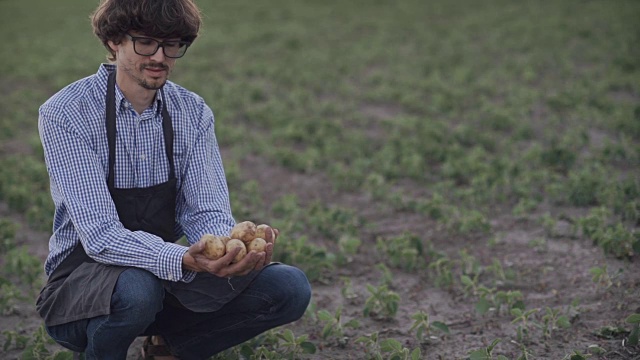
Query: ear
x,y
113,45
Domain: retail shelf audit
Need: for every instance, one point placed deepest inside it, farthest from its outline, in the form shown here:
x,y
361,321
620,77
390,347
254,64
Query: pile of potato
x,y
245,235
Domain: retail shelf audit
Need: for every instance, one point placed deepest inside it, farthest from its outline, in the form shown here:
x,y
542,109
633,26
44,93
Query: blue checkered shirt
x,y
73,134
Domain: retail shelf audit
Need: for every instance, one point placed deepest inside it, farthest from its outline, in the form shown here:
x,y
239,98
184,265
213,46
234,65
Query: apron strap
x,y
167,130
111,126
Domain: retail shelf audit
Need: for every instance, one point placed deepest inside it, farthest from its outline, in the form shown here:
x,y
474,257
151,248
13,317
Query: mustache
x,y
154,66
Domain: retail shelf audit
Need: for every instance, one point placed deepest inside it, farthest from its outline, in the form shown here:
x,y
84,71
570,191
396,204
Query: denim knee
x,y
139,294
295,291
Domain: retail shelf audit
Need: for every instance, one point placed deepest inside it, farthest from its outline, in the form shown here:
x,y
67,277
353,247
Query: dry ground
x,y
551,274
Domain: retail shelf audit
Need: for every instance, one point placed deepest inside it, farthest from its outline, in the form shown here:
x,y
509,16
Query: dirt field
x,y
450,175
552,274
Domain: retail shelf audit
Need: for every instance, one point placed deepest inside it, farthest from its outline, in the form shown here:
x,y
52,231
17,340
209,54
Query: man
x,y
134,165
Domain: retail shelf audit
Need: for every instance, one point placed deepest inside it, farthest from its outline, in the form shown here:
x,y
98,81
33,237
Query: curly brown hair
x,y
154,18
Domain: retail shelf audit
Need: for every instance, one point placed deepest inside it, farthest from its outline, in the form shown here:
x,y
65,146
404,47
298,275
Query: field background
x,y
448,173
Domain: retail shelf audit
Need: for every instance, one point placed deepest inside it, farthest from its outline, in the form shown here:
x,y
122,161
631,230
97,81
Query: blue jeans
x,y
279,295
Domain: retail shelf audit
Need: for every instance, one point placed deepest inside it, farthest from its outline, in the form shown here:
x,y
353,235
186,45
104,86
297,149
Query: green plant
x,y
469,221
334,327
7,234
423,327
347,289
386,276
442,268
314,260
294,346
371,344
38,348
634,334
331,222
394,350
577,355
523,316
613,238
382,303
391,348
486,353
553,319
469,264
602,277
403,251
348,245
26,266
12,337
10,295
510,299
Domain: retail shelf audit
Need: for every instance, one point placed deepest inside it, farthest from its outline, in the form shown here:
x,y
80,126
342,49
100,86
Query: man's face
x,y
149,72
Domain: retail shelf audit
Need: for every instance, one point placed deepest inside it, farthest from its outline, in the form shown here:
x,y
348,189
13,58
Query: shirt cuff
x,y
188,276
170,262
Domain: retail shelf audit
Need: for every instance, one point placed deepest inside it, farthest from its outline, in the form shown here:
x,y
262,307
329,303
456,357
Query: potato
x,y
214,247
245,231
257,244
234,243
261,231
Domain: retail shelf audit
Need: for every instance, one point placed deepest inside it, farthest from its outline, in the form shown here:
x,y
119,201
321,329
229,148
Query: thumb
x,y
197,247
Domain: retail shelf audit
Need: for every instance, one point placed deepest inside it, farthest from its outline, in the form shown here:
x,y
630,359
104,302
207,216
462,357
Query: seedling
x,y
511,299
372,345
523,317
470,265
442,269
396,351
348,245
386,278
383,303
486,353
315,260
577,355
12,337
393,349
552,319
423,327
333,325
295,346
10,295
634,320
601,276
347,289
403,251
25,265
7,234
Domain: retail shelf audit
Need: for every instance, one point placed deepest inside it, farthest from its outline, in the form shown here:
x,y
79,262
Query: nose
x,y
158,56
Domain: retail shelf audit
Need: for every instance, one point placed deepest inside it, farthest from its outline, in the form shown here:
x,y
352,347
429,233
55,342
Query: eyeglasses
x,y
145,46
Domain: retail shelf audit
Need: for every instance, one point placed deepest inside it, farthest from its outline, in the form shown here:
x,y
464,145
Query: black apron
x,y
150,209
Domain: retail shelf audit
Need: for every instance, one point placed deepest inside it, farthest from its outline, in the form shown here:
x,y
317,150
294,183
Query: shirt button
x,y
143,157
171,277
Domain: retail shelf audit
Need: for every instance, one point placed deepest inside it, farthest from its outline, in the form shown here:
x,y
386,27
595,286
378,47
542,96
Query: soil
x,y
551,274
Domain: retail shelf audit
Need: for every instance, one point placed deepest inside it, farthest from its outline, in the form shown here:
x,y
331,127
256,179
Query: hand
x,y
195,260
271,237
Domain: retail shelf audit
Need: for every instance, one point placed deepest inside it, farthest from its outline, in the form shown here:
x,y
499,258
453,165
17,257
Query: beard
x,y
149,83
153,84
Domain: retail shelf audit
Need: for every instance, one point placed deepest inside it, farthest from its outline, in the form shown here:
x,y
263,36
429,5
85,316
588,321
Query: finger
x,y
249,263
269,234
268,254
196,248
223,262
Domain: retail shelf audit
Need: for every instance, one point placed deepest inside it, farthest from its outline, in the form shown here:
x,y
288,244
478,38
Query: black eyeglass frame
x,y
159,44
